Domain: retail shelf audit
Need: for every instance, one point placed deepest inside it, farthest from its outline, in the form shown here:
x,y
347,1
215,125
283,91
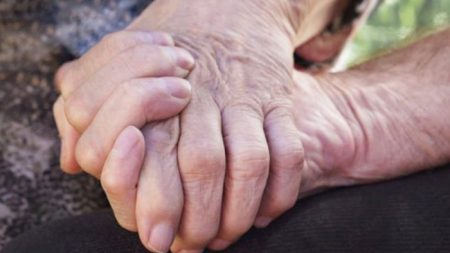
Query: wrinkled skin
x,y
256,134
251,139
240,152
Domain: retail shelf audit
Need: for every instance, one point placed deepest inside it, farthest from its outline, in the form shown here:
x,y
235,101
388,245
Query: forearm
x,y
400,109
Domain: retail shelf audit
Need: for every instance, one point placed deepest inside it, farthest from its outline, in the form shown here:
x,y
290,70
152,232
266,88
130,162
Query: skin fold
x,y
253,134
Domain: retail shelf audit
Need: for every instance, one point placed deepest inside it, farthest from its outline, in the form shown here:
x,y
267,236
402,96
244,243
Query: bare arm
x,y
407,98
396,111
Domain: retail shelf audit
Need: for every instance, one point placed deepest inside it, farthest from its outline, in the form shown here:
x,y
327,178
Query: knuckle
x,y
135,60
130,91
114,186
284,139
119,41
140,54
89,157
170,55
163,135
162,38
57,107
289,154
60,74
136,93
251,106
278,111
203,163
249,164
65,80
133,92
76,111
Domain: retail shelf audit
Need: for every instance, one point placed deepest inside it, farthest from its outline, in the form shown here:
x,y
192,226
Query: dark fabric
x,y
405,215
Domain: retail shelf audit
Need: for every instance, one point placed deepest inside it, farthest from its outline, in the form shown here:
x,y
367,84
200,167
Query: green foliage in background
x,y
395,22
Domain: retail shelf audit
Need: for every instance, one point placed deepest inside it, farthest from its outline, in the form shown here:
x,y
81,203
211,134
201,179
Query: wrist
x,y
331,137
396,131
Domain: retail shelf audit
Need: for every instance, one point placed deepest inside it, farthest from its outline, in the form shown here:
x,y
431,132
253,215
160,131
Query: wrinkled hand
x,y
240,152
238,135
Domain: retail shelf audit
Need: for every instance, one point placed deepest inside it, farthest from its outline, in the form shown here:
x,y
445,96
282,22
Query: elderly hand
x,y
240,153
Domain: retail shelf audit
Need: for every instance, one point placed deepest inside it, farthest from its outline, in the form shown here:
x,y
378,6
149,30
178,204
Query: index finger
x,y
72,74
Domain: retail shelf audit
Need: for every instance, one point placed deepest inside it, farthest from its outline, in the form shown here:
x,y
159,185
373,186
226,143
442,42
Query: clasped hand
x,y
194,163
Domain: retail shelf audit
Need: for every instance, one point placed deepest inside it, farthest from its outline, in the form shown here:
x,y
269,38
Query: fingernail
x,y
125,142
161,238
262,222
179,88
219,244
185,59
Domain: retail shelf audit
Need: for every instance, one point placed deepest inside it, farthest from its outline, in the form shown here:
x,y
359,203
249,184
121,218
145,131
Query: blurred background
x,y
393,24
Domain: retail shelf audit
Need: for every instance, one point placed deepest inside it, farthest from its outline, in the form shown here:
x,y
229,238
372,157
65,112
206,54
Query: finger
x,y
120,175
61,74
69,138
71,75
286,163
160,193
137,62
247,171
134,103
202,168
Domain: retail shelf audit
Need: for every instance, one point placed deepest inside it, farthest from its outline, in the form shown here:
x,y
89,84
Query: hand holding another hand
x,y
234,158
129,79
